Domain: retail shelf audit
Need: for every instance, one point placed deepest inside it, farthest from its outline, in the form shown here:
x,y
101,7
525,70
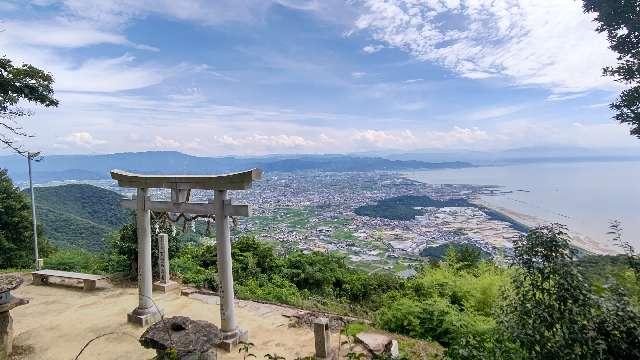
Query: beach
x,y
584,196
579,240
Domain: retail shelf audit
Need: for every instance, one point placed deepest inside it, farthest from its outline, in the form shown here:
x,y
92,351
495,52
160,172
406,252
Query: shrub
x,y
277,290
190,271
553,312
75,260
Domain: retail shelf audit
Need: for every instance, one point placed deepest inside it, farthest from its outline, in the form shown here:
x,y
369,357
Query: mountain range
x,y
96,167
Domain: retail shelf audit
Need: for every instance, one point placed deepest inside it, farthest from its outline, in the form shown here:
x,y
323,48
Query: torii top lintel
x,y
235,181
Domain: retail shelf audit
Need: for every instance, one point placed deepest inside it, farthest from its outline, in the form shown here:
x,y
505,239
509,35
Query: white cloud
x,y
549,43
562,97
83,139
64,34
598,105
106,75
112,123
532,132
282,141
165,143
358,74
71,74
412,106
118,13
407,139
385,138
370,49
492,112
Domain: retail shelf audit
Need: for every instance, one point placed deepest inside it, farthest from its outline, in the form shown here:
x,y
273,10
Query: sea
x,y
584,196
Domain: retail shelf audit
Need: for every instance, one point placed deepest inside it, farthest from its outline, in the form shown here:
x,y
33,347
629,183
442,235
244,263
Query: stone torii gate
x,y
146,313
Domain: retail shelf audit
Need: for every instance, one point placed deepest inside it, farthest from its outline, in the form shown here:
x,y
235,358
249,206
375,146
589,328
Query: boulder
x,y
373,342
190,339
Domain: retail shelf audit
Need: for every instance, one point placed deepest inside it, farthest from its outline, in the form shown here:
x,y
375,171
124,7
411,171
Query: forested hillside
x,y
79,215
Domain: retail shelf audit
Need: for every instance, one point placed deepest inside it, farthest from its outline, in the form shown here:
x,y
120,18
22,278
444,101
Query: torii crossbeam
x,y
145,313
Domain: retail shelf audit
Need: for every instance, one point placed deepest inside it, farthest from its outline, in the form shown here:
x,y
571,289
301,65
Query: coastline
x,y
579,240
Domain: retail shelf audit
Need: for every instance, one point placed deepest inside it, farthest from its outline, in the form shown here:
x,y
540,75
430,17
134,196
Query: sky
x,y
251,77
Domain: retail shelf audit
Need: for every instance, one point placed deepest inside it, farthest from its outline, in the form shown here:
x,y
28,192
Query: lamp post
x,y
33,211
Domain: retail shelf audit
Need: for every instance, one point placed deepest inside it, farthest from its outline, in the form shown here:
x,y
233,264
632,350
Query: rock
x,y
392,349
373,342
187,291
191,339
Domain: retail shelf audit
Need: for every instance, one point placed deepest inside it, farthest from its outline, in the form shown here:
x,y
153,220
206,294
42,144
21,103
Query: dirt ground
x,y
59,320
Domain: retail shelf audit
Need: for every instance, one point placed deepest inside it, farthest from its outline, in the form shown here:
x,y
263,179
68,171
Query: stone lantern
x,y
8,302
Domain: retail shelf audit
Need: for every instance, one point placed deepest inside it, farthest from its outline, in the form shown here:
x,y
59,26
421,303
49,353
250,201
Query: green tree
x,y
16,244
24,83
553,313
620,20
123,246
551,309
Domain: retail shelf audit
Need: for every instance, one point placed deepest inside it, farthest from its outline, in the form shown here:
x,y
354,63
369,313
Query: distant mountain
x,y
79,215
94,167
520,155
349,163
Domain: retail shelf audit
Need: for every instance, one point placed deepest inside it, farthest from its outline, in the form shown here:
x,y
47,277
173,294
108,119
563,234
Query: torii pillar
x,y
146,313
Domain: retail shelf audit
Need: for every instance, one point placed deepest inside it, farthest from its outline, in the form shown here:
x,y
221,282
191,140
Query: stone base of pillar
x,y
143,317
6,335
165,287
232,339
330,356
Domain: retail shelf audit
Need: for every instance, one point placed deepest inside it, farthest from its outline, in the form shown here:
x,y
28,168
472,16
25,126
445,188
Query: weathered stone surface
x,y
9,282
392,349
374,342
192,339
6,335
13,303
322,337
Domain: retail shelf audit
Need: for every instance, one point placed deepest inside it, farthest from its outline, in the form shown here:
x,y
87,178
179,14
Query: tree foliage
x,y
553,313
620,20
123,246
551,306
16,235
24,83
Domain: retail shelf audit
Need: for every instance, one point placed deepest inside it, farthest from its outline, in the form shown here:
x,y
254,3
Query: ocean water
x,y
585,196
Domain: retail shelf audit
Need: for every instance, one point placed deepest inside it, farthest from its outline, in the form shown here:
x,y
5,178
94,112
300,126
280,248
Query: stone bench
x,y
41,277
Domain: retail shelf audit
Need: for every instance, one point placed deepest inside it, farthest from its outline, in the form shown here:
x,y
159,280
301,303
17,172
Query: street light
x,y
38,261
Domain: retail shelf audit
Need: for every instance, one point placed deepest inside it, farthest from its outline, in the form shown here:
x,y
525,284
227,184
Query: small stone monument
x,y
8,302
190,339
164,284
322,338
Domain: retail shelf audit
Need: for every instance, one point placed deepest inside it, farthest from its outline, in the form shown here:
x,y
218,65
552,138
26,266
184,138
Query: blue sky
x,y
304,76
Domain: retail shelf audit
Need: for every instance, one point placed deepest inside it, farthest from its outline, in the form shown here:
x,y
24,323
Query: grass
x,y
419,349
355,328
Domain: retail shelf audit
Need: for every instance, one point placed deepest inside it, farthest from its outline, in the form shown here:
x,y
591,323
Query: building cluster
x,y
314,211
